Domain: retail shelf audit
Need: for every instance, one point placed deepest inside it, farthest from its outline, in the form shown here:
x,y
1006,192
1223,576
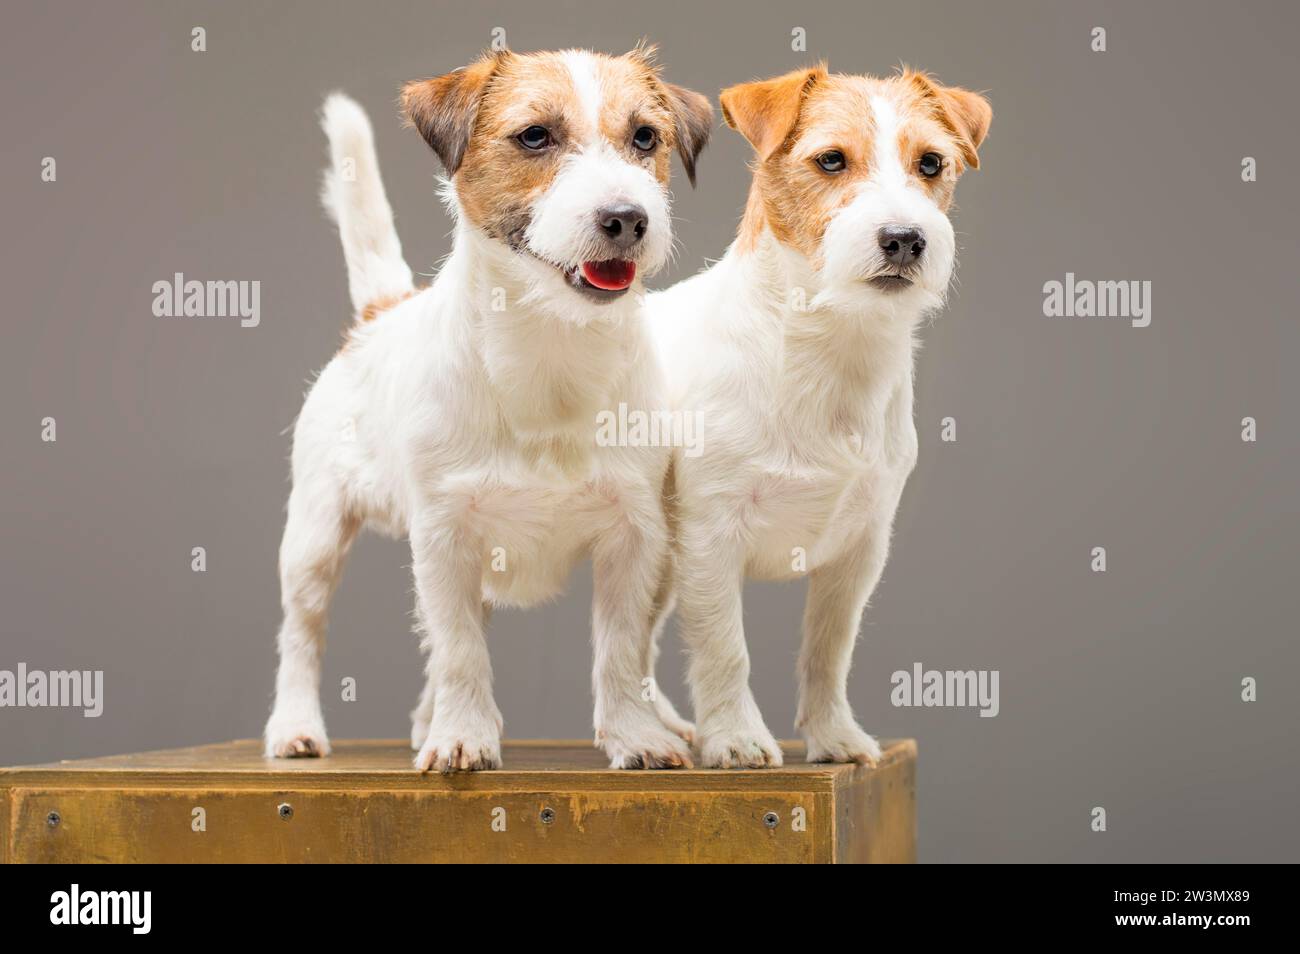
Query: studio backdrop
x,y
1102,526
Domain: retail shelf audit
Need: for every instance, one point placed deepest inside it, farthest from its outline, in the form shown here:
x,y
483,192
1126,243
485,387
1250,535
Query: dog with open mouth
x,y
463,415
796,350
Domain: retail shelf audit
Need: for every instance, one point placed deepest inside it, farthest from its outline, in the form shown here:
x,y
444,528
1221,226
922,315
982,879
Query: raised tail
x,y
353,194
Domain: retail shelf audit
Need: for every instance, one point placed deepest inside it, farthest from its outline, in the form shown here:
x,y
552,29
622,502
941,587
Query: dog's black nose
x,y
902,244
624,224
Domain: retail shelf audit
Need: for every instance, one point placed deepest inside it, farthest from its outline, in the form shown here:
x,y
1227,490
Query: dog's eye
x,y
645,138
832,161
535,137
930,164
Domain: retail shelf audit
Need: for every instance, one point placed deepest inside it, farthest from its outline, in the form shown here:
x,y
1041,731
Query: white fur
x,y
809,439
471,430
560,231
586,81
353,194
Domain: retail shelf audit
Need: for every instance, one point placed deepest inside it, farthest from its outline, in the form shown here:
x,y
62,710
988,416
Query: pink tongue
x,y
611,275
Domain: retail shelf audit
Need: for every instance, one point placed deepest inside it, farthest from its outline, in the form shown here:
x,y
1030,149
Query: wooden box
x,y
553,802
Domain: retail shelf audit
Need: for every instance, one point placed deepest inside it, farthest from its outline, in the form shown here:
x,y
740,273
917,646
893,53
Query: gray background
x,y
1119,689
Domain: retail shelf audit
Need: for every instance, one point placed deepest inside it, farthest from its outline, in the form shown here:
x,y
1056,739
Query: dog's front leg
x,y
730,727
627,559
422,714
465,732
837,597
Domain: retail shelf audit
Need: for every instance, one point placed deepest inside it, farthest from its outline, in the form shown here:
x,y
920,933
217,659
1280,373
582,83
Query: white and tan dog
x,y
796,351
463,415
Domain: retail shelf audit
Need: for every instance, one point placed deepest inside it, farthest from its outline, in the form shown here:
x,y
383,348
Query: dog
x,y
796,351
461,416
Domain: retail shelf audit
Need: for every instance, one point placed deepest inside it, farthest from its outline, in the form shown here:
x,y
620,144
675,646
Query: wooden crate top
x,y
552,765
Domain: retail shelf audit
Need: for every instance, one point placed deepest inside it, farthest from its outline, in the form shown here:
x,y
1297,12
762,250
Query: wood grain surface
x,y
555,801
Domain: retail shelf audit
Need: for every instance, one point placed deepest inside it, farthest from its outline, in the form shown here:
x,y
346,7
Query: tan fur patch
x,y
964,114
380,305
765,111
444,109
370,312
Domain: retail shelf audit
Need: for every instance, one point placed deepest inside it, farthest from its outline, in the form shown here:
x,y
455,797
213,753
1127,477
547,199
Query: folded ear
x,y
971,114
443,109
967,114
765,111
693,119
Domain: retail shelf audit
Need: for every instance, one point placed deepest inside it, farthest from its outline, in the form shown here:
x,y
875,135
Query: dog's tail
x,y
353,194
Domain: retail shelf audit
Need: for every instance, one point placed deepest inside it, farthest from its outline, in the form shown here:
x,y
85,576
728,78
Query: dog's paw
x,y
841,742
296,739
449,750
648,744
740,747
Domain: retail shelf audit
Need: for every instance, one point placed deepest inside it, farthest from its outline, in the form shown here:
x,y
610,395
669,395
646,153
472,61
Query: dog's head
x,y
564,157
857,174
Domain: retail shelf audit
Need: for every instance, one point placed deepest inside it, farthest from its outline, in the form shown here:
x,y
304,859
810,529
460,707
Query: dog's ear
x,y
765,112
972,115
693,119
443,109
692,113
967,115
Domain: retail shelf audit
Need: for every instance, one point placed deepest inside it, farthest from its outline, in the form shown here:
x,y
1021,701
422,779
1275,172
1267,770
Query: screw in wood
x,y
285,810
771,819
547,816
53,819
